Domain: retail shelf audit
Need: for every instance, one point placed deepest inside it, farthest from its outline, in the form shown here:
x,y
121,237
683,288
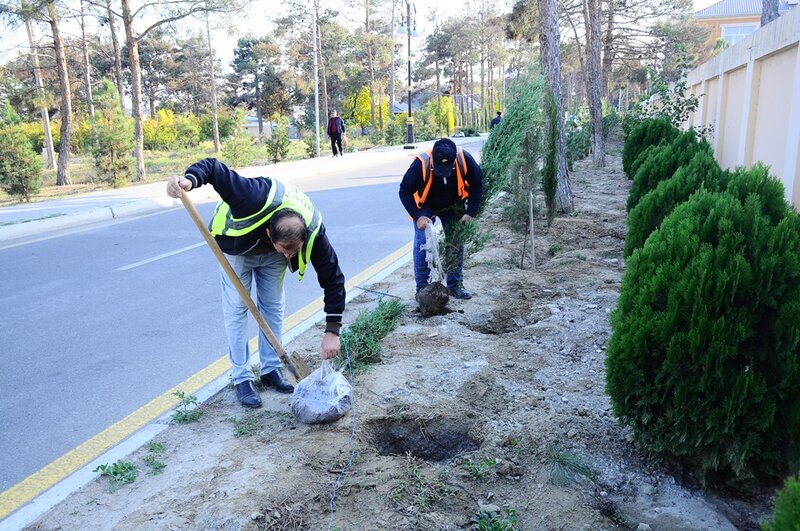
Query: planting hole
x,y
436,439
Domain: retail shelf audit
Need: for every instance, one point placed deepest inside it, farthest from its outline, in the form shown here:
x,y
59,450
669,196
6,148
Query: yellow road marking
x,y
41,480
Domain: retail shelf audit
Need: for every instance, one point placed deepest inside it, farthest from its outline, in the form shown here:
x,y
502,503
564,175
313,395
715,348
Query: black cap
x,y
444,157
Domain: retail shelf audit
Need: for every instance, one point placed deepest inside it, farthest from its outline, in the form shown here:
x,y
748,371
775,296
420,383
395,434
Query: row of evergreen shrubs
x,y
704,358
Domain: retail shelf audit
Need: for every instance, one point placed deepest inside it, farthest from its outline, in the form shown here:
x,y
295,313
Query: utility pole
x,y
316,76
410,132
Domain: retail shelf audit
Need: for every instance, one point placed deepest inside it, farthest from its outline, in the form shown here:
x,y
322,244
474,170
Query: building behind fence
x,y
750,97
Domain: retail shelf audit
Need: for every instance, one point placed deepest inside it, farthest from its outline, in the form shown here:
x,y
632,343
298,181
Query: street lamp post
x,y
410,122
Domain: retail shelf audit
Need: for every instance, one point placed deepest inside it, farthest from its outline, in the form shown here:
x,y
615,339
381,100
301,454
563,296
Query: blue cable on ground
x,y
331,504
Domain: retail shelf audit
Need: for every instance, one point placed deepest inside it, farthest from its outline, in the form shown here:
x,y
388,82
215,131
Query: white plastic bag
x,y
431,248
323,396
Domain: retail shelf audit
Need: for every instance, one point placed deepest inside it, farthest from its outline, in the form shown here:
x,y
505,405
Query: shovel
x,y
294,363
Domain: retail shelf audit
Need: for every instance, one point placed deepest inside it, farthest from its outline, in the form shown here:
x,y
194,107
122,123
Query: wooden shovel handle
x,y
234,278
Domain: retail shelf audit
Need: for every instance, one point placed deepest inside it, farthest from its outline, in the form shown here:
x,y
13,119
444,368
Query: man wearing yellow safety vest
x,y
265,226
447,183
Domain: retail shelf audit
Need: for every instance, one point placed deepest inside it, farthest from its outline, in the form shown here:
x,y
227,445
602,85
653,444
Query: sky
x,y
15,40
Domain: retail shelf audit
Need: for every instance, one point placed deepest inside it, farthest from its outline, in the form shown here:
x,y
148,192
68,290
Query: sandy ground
x,y
468,411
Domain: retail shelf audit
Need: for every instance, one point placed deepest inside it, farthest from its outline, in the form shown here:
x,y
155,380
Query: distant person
x,y
496,120
265,227
447,183
335,132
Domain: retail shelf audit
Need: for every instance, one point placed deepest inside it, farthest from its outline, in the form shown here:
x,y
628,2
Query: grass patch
x,y
362,338
567,467
245,427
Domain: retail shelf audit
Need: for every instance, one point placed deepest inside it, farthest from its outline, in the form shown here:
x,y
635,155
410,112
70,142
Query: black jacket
x,y
247,196
443,194
339,125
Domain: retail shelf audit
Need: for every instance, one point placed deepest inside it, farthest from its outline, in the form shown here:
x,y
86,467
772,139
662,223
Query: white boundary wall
x,y
750,95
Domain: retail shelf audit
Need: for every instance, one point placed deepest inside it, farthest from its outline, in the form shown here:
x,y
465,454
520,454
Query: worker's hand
x,y
465,218
422,222
330,346
177,184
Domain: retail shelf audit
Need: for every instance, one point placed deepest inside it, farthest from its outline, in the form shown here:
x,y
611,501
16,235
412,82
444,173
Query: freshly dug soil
x,y
496,407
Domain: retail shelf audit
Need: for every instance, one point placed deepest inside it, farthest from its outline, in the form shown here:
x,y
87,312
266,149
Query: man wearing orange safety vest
x,y
444,183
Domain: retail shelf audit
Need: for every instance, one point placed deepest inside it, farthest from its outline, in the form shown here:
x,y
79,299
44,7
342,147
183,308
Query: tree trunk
x,y
442,125
259,114
593,80
608,49
87,73
87,78
136,90
370,68
394,63
214,111
49,152
769,11
117,55
551,54
62,173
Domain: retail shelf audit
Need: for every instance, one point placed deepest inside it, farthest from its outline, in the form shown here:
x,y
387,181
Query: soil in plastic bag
x,y
324,395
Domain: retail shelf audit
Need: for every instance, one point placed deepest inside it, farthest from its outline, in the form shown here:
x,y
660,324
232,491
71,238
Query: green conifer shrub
x,y
523,115
646,133
786,509
662,162
113,142
704,358
701,172
20,166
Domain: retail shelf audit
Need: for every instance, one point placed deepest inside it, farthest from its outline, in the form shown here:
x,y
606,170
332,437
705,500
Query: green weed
x,y
478,470
245,427
155,466
414,488
155,447
183,414
554,248
491,521
119,472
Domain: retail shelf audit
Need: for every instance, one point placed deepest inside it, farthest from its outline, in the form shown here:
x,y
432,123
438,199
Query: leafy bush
x,y
647,133
278,142
20,166
786,510
701,172
703,358
662,161
160,133
227,121
238,151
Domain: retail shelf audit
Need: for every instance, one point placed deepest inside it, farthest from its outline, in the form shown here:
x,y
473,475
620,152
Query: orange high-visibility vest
x,y
426,161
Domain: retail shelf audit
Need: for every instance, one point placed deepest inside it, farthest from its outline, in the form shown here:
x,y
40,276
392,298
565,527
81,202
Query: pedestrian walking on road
x,y
335,132
496,120
265,226
446,183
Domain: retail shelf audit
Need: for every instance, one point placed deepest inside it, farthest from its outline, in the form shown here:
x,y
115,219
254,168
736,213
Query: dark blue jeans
x,y
455,274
